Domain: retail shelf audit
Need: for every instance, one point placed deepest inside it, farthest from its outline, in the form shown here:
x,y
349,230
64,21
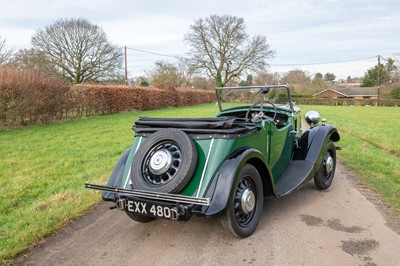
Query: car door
x,y
280,148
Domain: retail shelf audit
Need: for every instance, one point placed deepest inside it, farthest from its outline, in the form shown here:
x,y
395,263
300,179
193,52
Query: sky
x,y
340,37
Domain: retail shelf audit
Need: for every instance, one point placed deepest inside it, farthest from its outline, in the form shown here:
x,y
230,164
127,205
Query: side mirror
x,y
312,118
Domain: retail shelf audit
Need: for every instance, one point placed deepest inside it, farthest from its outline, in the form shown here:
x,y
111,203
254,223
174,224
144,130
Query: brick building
x,y
350,93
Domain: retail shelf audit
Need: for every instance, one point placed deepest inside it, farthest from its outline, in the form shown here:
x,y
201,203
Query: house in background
x,y
349,93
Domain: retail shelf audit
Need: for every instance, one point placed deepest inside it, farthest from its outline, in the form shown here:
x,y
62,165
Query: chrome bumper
x,y
176,198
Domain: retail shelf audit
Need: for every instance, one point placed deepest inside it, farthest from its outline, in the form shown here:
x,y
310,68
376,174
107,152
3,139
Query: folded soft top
x,y
219,125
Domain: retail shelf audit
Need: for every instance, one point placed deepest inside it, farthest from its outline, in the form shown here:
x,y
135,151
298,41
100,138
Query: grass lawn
x,y
370,137
43,168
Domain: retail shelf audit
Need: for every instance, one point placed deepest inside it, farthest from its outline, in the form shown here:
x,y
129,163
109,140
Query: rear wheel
x,y
324,176
244,210
139,218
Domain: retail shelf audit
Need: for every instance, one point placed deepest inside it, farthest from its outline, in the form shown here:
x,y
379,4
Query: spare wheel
x,y
165,162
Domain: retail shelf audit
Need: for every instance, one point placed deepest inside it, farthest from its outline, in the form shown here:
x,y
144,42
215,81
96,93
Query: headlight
x,y
312,118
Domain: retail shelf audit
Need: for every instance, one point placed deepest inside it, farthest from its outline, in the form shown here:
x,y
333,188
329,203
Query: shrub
x,y
29,97
144,83
395,93
105,99
346,101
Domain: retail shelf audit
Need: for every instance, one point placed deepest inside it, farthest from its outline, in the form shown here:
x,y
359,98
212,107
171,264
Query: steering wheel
x,y
261,114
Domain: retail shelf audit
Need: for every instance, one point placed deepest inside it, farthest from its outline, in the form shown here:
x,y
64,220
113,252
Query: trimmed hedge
x,y
345,101
87,99
30,97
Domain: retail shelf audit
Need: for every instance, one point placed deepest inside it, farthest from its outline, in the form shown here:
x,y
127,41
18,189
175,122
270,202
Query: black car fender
x,y
116,176
313,141
221,188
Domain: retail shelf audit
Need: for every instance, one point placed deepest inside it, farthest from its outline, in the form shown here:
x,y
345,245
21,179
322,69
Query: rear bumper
x,y
178,207
166,197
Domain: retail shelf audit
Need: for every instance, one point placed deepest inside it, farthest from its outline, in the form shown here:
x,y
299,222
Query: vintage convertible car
x,y
226,165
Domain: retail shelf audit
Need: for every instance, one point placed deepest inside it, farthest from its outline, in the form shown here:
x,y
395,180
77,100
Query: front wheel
x,y
324,176
244,209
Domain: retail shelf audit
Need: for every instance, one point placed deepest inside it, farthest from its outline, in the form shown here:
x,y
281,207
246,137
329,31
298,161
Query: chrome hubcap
x,y
248,201
160,162
329,164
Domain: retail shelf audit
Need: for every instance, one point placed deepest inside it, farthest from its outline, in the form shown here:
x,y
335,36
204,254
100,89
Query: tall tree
x,y
329,76
318,76
299,81
221,47
268,78
392,69
5,53
165,74
34,59
296,76
318,82
80,50
371,76
248,81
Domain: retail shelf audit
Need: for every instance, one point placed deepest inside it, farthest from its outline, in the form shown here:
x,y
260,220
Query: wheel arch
x,y
313,140
116,176
318,138
227,174
265,174
312,144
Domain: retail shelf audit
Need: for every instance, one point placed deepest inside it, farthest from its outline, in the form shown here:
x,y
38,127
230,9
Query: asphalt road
x,y
345,225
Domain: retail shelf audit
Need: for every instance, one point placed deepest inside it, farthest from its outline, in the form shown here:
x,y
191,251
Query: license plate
x,y
152,209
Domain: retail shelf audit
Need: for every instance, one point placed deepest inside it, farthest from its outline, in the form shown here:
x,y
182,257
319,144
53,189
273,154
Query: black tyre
x,y
244,209
165,162
139,218
324,176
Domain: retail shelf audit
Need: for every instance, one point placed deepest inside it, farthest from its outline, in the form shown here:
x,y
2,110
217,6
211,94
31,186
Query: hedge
x,y
30,97
346,101
103,99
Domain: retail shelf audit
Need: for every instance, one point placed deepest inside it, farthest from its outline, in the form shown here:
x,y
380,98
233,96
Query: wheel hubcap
x,y
329,164
248,201
160,162
245,202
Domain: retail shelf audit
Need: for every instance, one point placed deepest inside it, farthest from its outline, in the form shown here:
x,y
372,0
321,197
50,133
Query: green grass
x,y
43,170
370,137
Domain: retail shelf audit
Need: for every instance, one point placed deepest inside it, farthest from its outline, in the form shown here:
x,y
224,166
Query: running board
x,y
152,195
297,173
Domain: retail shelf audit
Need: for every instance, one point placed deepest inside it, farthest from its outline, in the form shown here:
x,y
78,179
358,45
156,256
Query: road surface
x,y
345,225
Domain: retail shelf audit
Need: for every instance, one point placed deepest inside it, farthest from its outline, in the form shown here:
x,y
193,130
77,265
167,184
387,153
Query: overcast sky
x,y
302,33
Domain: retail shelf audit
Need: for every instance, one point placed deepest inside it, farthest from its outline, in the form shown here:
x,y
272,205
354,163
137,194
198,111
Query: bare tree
x,y
5,53
299,80
80,50
268,78
34,59
392,66
165,74
201,82
318,82
221,47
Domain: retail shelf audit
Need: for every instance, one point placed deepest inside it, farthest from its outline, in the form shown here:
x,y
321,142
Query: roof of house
x,y
352,92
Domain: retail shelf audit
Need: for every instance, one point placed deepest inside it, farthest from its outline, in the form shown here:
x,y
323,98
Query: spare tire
x,y
165,162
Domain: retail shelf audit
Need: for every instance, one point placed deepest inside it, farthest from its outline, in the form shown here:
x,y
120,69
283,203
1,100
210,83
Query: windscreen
x,y
237,96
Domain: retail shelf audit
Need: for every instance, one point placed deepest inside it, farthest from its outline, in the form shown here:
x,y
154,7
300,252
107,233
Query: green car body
x,y
247,152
